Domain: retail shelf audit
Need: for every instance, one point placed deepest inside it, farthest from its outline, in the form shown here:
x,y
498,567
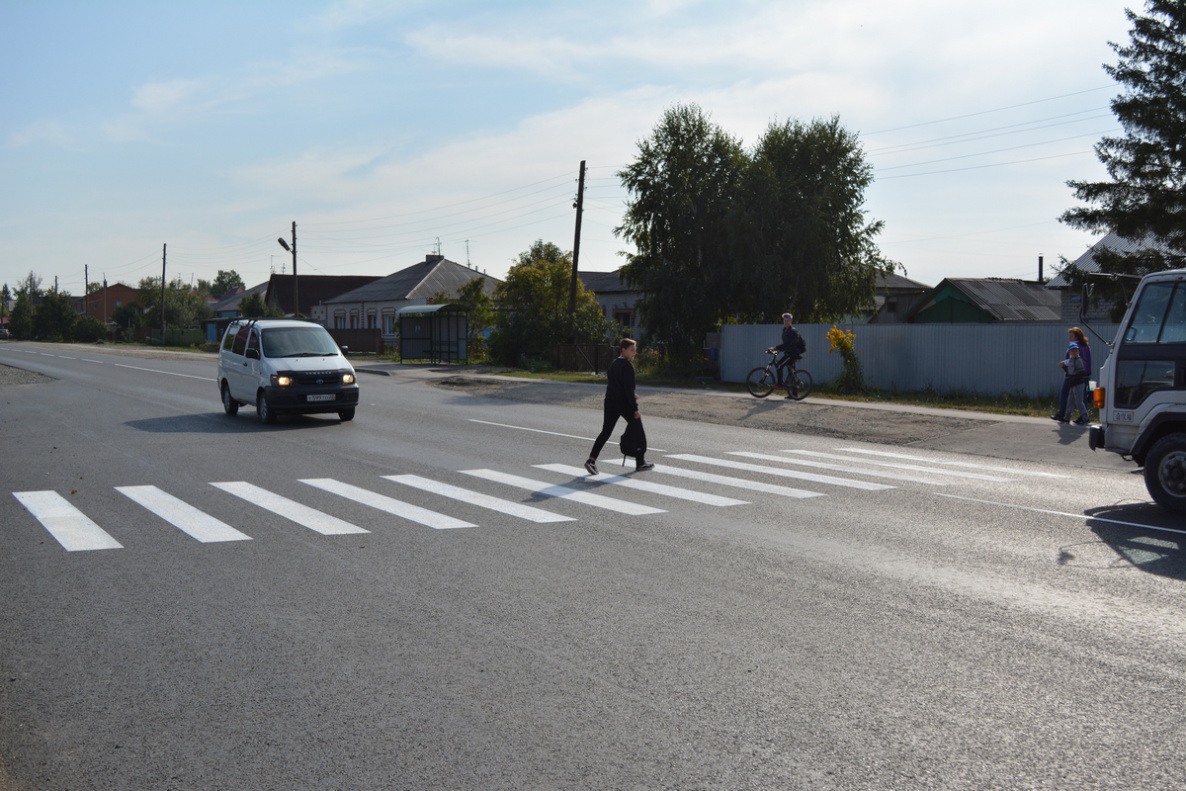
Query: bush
x,y
851,380
89,329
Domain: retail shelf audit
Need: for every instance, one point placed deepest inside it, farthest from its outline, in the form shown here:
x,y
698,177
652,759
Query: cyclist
x,y
792,348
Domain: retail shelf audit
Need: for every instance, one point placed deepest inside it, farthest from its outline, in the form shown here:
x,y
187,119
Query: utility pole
x,y
296,289
164,249
86,285
104,299
576,252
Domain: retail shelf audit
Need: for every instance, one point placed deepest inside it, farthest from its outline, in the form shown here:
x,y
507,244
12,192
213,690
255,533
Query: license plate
x,y
321,397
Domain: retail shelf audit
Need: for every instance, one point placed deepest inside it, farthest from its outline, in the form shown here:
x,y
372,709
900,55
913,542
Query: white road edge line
x,y
1084,517
553,433
155,371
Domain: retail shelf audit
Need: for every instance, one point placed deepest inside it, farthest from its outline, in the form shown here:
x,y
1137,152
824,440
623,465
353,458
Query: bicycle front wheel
x,y
760,382
800,385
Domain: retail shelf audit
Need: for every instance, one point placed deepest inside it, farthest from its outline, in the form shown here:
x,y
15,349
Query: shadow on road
x,y
1144,536
219,423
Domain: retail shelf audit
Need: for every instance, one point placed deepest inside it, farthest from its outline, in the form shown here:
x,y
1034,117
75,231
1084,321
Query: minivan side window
x,y
253,342
227,341
240,340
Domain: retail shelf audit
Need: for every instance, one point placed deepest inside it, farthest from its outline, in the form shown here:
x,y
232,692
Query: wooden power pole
x,y
576,252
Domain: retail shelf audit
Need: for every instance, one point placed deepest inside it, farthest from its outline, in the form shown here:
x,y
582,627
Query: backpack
x,y
633,441
800,345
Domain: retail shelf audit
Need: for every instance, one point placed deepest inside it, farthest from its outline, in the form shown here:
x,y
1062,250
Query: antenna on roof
x,y
467,254
438,251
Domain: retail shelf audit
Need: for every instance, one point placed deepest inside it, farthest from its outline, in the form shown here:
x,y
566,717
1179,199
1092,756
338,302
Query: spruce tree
x,y
1145,200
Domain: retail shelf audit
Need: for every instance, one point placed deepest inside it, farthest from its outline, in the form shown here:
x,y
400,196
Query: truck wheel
x,y
1165,472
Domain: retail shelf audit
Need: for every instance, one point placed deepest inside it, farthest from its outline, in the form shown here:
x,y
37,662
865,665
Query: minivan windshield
x,y
298,342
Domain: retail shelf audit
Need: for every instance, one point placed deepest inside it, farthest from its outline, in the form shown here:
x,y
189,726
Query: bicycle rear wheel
x,y
800,385
760,382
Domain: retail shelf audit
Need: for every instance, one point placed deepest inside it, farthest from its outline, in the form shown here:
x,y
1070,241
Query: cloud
x,y
40,132
164,97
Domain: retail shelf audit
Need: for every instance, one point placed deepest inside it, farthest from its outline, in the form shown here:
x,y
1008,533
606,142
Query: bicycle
x,y
762,380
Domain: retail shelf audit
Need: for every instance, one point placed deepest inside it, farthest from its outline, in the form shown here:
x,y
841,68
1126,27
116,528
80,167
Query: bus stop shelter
x,y
436,333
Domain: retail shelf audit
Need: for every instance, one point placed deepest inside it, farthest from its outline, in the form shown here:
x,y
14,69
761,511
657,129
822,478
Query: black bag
x,y
1078,379
799,346
633,441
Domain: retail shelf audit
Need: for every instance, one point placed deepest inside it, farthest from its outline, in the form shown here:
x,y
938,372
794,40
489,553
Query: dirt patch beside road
x,y
770,414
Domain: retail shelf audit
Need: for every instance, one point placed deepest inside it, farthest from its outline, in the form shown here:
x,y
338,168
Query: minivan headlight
x,y
282,380
347,379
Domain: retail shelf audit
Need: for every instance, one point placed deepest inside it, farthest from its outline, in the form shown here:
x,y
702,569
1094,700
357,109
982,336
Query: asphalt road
x,y
987,606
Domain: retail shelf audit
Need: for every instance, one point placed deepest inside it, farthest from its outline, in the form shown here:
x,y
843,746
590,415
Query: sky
x,y
194,134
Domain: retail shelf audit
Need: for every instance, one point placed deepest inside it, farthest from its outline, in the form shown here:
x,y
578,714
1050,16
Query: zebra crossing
x,y
679,478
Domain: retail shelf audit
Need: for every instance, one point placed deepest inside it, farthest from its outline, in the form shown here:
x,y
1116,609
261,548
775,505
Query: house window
x,y
389,324
339,321
624,317
370,321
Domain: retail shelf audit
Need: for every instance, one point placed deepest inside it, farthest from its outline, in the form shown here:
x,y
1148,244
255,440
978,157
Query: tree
x,y
21,320
30,286
727,235
54,318
5,300
224,281
253,306
1145,200
479,307
129,316
183,307
532,305
798,228
683,182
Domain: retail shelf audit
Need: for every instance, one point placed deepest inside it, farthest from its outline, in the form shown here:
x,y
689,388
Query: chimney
x,y
1040,270
432,258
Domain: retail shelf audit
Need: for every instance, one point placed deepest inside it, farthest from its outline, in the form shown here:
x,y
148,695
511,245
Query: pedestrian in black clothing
x,y
620,402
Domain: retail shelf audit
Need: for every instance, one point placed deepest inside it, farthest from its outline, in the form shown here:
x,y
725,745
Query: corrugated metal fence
x,y
1016,358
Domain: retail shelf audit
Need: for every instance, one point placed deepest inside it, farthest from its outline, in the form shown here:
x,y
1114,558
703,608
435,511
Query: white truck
x,y
1141,389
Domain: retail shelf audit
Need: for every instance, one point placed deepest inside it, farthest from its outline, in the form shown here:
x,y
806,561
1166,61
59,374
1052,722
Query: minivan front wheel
x,y
346,414
229,405
263,410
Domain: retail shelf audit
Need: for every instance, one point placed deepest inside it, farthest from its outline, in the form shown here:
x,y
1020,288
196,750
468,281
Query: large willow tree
x,y
724,235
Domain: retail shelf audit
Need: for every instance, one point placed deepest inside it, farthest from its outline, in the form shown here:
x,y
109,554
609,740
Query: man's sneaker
x,y
1060,418
644,466
591,466
1081,422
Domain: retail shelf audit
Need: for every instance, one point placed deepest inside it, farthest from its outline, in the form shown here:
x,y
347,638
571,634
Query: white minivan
x,y
284,366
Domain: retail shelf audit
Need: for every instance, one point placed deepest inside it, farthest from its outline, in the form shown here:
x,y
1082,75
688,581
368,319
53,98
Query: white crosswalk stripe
x,y
303,515
69,526
951,463
564,492
182,515
803,476
510,507
75,531
413,513
821,465
630,482
955,473
727,480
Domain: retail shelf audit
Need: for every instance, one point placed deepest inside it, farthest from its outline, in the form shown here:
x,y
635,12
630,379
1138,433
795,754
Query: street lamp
x,y
296,301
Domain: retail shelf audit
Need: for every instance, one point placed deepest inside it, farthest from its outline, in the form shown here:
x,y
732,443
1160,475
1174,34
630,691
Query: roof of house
x,y
604,282
419,281
1003,299
314,289
897,282
231,299
1113,241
